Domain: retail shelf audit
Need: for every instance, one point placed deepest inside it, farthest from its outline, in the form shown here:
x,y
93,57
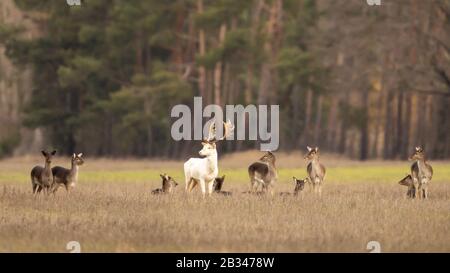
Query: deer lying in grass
x,y
421,173
203,171
42,177
316,171
217,187
263,173
408,182
168,185
299,186
67,177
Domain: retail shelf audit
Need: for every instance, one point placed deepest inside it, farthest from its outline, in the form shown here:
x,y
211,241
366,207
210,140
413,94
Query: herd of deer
x,y
204,172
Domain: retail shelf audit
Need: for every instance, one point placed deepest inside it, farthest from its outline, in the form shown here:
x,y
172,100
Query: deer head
x,y
77,160
268,157
312,153
299,184
418,154
168,182
407,181
48,156
209,144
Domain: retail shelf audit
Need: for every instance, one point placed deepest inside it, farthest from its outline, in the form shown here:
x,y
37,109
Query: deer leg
x,y
210,187
319,189
34,187
203,187
39,189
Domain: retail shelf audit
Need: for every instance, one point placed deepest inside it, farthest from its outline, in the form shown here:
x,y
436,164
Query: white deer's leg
x,y
210,186
203,187
188,181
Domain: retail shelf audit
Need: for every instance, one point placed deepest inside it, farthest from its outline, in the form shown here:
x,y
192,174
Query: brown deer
x,y
408,182
67,177
299,186
168,185
217,187
316,171
263,173
421,173
42,177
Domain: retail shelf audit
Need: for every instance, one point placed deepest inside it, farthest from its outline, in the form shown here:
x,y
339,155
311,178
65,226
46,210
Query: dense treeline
x,y
353,79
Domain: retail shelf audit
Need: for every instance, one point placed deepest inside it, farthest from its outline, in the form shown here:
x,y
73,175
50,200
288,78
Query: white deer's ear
x,y
309,148
74,155
317,149
80,154
417,148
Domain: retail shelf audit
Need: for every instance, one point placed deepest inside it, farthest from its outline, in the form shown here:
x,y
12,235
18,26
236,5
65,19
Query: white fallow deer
x,y
204,170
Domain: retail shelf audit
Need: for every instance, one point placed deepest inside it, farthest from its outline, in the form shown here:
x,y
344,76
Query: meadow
x,y
112,210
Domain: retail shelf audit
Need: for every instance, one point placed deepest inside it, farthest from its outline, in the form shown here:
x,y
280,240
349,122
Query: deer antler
x,y
229,127
211,131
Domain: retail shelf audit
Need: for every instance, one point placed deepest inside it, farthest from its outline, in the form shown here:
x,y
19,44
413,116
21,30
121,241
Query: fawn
x,y
67,177
168,185
263,173
408,182
421,173
299,186
217,187
316,171
42,177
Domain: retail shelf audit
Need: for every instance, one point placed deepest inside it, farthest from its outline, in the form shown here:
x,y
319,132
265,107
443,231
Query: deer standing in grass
x,y
67,177
42,177
316,171
204,170
263,173
421,173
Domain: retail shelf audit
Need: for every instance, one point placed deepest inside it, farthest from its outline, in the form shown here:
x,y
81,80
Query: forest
x,y
353,79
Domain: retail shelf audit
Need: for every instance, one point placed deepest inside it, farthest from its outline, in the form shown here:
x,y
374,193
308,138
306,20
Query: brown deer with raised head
x,y
316,171
299,186
217,187
168,185
42,177
67,177
421,173
263,173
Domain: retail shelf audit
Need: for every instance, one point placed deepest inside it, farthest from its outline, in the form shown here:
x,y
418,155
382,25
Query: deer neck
x,y
47,167
421,164
212,162
74,171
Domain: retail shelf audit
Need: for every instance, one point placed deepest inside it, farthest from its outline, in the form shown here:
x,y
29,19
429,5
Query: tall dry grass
x,y
112,210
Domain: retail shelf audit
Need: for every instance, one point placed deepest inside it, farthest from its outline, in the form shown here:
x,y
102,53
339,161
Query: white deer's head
x,y
209,144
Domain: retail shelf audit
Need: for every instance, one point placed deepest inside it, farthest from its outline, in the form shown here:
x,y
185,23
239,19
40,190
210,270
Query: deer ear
x,y
417,149
309,148
223,177
162,176
44,153
80,154
54,152
74,155
317,149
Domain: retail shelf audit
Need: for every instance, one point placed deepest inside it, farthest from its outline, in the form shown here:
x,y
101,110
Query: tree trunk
x,y
218,68
201,41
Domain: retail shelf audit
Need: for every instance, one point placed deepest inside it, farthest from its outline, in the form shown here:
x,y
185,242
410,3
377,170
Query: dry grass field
x,y
112,210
